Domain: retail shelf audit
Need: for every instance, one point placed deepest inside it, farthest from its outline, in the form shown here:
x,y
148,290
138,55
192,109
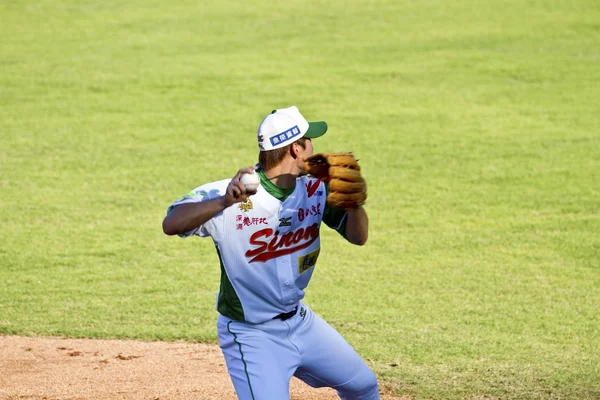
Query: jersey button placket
x,y
287,289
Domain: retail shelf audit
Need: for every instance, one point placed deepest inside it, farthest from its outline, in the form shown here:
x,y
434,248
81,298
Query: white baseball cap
x,y
286,125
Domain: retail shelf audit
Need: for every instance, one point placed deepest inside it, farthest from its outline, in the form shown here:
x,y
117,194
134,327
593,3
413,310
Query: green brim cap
x,y
316,129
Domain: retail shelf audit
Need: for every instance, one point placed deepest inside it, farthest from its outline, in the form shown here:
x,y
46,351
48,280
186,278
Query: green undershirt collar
x,y
271,188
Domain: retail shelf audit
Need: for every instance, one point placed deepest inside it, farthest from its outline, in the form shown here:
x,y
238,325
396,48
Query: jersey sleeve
x,y
334,217
202,193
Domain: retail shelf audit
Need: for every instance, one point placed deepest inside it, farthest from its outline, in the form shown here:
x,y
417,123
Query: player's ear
x,y
294,150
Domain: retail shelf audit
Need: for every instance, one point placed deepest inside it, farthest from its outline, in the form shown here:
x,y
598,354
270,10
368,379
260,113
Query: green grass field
x,y
477,125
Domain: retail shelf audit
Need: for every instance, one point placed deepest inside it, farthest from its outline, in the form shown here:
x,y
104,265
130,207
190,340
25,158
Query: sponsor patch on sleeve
x,y
193,194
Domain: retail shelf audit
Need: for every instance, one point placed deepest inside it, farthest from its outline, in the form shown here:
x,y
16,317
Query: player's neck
x,y
284,175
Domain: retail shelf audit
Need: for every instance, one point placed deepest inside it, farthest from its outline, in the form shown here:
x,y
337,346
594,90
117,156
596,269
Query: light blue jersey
x,y
268,247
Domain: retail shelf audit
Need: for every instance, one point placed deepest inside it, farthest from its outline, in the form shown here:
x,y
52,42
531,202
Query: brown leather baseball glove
x,y
347,188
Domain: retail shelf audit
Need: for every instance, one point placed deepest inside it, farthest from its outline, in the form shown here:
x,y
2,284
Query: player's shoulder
x,y
213,189
306,178
311,185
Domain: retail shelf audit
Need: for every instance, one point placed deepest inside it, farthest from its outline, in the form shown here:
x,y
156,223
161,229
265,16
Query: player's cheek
x,y
309,148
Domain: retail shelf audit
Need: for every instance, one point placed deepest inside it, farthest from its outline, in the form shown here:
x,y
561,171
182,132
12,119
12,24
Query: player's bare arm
x,y
357,226
186,217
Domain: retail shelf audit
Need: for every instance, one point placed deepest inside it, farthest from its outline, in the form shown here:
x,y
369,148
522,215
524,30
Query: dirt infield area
x,y
78,369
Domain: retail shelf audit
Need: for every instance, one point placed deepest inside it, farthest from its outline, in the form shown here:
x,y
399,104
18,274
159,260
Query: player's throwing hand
x,y
236,191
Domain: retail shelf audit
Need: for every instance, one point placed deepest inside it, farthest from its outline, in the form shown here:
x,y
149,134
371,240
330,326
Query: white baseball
x,y
250,181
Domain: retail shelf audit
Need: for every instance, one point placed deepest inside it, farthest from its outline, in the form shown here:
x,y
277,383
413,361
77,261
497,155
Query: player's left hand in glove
x,y
347,188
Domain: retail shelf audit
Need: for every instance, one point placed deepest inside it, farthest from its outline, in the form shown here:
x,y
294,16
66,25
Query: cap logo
x,y
285,135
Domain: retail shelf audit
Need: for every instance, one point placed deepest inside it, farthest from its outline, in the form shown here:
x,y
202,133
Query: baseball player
x,y
267,241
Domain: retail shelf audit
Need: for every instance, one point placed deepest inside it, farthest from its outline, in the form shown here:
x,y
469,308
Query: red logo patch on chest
x,y
312,186
273,245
